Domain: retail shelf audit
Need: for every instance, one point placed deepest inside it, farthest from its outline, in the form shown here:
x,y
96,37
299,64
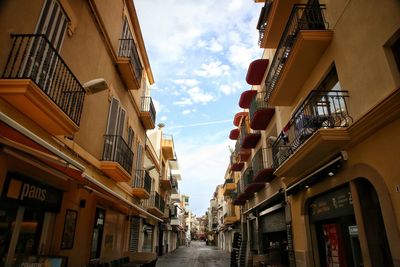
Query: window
x,y
396,52
116,119
131,135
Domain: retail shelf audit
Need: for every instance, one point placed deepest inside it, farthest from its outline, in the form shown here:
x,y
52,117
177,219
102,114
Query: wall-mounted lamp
x,y
95,86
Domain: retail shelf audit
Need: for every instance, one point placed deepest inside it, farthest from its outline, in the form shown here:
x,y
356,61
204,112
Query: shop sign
x,y
30,193
332,205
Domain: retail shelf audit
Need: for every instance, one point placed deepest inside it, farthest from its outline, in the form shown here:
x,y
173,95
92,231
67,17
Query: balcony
x,y
175,188
166,182
236,164
176,198
230,216
229,186
37,82
262,164
128,63
155,204
167,145
260,112
272,21
303,42
238,200
141,184
247,186
315,133
117,158
147,112
248,138
238,117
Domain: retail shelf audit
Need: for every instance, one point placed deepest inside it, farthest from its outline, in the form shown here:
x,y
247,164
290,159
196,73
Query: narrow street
x,y
197,255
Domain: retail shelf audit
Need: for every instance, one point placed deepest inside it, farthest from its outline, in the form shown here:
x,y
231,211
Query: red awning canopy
x,y
238,117
256,71
234,134
246,97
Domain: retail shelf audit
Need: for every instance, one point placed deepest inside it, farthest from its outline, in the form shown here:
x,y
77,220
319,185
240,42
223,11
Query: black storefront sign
x,y
21,190
332,205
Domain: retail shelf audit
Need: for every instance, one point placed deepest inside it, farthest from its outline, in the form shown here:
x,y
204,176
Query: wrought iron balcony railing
x,y
155,201
142,179
321,109
127,48
263,20
229,181
33,57
303,17
148,106
117,150
262,160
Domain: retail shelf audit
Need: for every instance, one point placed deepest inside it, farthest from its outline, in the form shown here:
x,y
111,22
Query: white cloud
x,y
188,111
187,82
213,69
215,46
199,96
232,88
183,102
241,55
163,118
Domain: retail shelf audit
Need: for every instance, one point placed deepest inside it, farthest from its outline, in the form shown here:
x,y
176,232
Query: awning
x,y
246,97
234,134
256,71
238,117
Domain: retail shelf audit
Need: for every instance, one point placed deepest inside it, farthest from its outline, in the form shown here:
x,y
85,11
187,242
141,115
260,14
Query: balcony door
x,y
41,64
114,132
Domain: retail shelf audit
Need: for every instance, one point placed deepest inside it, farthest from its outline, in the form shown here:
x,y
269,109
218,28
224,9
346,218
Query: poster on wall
x,y
334,250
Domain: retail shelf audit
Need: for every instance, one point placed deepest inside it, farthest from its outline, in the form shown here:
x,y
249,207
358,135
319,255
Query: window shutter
x,y
121,120
112,117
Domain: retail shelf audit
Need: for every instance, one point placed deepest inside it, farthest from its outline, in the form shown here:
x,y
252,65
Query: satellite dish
x,y
95,86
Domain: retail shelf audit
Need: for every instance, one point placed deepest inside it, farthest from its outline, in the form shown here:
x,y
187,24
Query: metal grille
x,y
321,109
127,48
148,106
33,57
303,17
116,149
142,179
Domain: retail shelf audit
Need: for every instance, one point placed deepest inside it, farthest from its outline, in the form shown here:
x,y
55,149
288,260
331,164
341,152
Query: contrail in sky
x,y
198,124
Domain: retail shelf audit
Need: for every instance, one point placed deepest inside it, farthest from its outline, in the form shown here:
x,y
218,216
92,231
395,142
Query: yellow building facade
x,y
327,193
75,106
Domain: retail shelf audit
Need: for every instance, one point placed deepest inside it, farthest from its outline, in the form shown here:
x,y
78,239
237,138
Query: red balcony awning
x,y
261,118
234,134
244,154
251,140
246,97
256,71
238,117
237,167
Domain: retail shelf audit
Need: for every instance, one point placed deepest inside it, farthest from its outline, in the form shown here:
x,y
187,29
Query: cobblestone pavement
x,y
197,255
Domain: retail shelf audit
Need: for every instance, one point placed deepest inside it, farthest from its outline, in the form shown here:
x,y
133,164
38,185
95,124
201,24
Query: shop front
x,y
27,213
274,240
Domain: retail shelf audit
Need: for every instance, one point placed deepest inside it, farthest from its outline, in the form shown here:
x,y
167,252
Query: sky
x,y
199,52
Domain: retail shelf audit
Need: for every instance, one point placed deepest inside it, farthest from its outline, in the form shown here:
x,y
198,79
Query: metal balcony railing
x,y
321,109
262,160
230,211
229,181
155,201
263,20
127,48
148,106
117,150
142,179
257,103
33,57
303,17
